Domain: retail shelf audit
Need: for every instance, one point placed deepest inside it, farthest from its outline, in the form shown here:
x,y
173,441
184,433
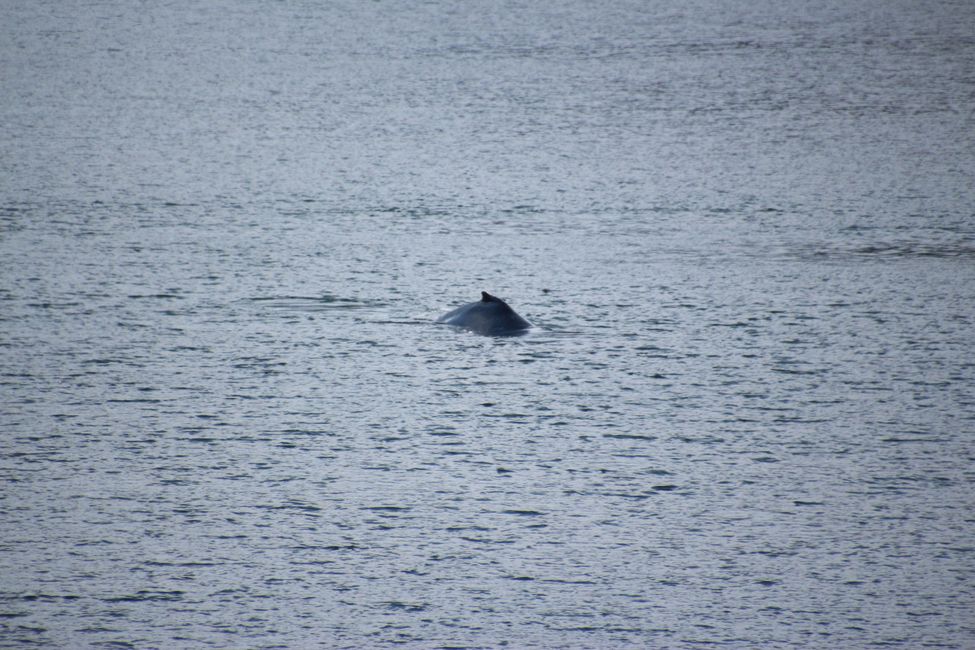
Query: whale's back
x,y
490,316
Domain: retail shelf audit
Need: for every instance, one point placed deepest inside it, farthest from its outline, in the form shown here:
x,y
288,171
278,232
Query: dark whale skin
x,y
489,316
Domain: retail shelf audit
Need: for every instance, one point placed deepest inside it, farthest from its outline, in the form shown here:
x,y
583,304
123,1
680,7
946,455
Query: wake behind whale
x,y
490,316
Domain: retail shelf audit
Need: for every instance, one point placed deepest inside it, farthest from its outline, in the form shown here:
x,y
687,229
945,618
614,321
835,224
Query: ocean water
x,y
744,231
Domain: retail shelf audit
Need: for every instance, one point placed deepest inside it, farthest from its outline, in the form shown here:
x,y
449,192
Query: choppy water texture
x,y
744,230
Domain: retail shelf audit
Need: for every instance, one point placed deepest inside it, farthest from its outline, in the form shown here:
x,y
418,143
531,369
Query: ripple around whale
x,y
489,316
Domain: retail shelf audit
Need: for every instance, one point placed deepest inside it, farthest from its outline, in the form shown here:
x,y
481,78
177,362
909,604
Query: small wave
x,y
142,596
892,250
324,302
917,249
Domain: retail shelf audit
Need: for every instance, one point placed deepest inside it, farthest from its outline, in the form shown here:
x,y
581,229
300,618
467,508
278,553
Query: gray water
x,y
745,234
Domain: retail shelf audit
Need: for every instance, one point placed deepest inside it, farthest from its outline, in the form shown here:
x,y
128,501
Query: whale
x,y
489,316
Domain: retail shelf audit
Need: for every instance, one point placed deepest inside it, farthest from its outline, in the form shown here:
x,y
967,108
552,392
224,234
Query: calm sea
x,y
746,234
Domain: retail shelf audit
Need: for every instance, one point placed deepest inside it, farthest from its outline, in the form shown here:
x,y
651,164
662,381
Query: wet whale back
x,y
490,315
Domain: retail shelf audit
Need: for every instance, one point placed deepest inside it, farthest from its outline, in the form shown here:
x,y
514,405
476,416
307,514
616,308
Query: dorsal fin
x,y
486,297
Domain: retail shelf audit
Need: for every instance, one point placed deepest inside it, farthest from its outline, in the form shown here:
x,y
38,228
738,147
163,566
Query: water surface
x,y
744,231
